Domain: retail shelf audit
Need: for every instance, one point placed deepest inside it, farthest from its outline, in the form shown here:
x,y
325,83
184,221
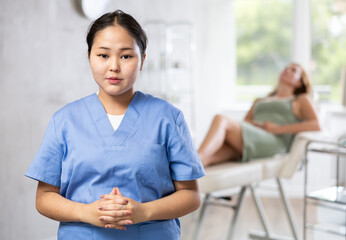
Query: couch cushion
x,y
229,175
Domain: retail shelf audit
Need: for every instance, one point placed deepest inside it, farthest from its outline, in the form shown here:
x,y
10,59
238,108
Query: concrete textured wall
x,y
44,65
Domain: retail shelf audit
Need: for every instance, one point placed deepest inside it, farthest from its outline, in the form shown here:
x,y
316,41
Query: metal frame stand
x,y
267,235
237,207
201,217
234,221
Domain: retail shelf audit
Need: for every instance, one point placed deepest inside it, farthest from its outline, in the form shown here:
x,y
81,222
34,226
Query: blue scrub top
x,y
83,155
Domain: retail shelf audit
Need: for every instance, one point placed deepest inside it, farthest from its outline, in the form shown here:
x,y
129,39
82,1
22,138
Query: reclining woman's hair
x,y
306,86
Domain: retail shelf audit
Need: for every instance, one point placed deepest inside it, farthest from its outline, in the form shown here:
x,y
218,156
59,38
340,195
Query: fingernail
x,y
128,213
129,222
101,196
126,201
100,207
101,218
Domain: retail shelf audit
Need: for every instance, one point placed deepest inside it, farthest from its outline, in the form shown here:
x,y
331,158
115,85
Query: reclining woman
x,y
268,127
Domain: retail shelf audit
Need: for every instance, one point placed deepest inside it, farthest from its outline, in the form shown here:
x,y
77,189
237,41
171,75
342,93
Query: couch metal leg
x,y
288,210
236,213
267,235
201,217
261,213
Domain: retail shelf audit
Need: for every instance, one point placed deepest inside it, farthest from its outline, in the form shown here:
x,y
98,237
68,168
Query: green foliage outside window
x,y
264,35
264,39
328,42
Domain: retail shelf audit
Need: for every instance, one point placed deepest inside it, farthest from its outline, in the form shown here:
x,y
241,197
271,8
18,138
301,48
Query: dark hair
x,y
123,19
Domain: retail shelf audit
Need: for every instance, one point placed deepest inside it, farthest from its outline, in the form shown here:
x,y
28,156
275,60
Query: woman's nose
x,y
115,67
288,70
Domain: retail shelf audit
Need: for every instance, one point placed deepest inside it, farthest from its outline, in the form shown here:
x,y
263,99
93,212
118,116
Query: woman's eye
x,y
103,56
126,57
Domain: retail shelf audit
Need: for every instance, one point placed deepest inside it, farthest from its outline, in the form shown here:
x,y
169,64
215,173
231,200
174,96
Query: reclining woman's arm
x,y
305,111
249,116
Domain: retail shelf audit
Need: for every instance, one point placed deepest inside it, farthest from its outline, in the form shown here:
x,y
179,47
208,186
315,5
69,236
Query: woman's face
x,y
291,75
115,60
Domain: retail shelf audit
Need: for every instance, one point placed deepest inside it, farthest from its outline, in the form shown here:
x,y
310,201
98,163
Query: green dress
x,y
259,143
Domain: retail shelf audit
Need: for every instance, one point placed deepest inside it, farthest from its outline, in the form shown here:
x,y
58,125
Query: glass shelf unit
x,y
331,198
167,72
335,194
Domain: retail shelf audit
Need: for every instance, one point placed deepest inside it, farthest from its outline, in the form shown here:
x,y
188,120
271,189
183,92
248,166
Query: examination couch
x,y
247,176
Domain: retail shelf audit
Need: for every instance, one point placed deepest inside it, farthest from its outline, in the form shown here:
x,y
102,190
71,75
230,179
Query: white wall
x,y
43,65
301,44
215,61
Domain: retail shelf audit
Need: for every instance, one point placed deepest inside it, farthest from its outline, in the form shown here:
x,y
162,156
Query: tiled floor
x,y
218,219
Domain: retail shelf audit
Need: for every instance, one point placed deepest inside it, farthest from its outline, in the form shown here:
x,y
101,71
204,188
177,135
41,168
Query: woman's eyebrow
x,y
126,48
121,49
106,48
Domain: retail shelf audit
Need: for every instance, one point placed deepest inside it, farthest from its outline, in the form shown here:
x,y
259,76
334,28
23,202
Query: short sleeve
x,y
46,166
185,164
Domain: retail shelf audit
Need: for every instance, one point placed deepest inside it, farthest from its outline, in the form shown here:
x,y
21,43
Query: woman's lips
x,y
113,80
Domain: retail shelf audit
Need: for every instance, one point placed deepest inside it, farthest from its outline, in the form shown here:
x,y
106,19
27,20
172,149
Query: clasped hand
x,y
113,210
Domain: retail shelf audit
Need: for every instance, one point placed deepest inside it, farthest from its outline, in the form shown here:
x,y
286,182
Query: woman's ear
x,y
143,58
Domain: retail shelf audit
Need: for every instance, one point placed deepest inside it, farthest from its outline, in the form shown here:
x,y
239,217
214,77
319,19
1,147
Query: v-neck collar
x,y
127,125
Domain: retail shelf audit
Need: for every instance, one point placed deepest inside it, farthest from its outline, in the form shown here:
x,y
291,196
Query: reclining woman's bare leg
x,y
223,141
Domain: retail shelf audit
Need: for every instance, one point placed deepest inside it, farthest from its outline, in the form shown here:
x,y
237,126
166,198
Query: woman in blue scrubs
x,y
118,164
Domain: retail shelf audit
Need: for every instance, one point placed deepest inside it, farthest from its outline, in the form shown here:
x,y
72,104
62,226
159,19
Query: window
x,y
328,42
264,36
